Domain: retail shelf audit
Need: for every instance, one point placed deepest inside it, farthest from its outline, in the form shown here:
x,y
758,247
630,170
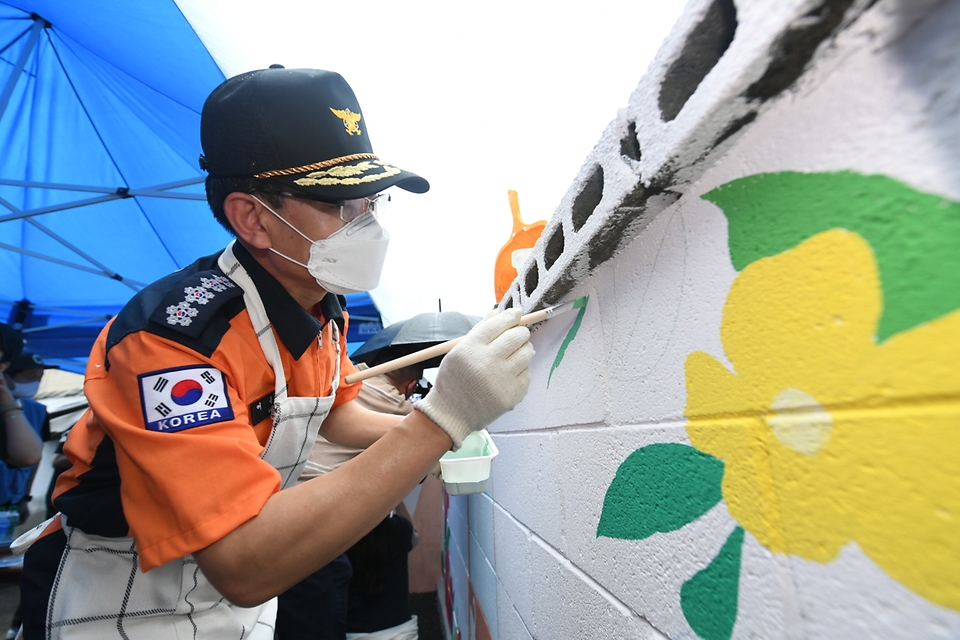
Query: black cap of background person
x,y
27,360
11,342
300,127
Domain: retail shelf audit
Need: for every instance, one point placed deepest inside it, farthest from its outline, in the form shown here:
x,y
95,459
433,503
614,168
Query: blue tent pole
x,y
136,286
57,207
50,327
76,312
158,191
108,272
35,30
80,267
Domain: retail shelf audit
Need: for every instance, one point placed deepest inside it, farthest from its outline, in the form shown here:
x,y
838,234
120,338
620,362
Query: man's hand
x,y
482,378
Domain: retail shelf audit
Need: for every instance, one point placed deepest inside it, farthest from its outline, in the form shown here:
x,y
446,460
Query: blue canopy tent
x,y
100,190
365,320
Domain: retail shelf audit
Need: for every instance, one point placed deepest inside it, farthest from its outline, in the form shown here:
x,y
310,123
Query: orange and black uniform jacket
x,y
180,395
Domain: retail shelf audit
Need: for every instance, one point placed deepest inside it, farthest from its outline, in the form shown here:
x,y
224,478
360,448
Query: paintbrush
x,y
444,347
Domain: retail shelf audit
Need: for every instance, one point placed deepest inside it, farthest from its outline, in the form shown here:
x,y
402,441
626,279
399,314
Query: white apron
x,y
111,598
409,630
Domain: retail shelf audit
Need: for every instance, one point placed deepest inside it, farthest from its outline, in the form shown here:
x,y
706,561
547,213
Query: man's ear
x,y
245,216
409,387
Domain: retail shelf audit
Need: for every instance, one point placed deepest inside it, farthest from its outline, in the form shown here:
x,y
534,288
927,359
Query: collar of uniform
x,y
296,328
331,309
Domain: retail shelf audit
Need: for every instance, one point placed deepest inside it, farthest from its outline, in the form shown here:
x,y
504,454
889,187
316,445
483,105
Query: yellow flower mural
x,y
835,420
828,436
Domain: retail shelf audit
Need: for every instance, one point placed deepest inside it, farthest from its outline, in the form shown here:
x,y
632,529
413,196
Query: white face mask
x,y
350,259
25,389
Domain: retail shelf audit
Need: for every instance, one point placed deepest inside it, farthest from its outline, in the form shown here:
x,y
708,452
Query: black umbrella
x,y
416,333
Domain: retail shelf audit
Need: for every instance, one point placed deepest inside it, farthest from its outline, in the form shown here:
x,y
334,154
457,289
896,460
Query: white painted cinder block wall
x,y
768,231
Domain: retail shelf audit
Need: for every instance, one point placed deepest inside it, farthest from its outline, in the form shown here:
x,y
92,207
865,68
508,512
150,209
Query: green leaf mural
x,y
659,488
913,234
709,599
581,304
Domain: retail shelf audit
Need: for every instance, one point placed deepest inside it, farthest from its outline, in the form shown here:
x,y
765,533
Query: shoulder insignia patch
x,y
193,300
183,398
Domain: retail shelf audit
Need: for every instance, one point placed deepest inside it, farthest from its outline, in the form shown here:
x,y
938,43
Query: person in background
x,y
23,378
21,424
181,516
366,589
392,392
318,607
379,598
387,393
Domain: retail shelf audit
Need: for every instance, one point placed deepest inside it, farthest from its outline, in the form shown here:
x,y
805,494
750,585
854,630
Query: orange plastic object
x,y
514,252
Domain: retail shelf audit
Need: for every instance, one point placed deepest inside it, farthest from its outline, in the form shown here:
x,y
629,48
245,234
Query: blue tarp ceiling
x,y
100,191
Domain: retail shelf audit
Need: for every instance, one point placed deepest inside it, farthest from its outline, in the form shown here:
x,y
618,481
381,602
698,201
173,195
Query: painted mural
x,y
580,304
750,428
837,424
451,626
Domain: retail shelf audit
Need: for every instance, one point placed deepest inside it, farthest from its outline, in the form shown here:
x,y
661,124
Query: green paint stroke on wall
x,y
659,488
581,304
915,235
709,599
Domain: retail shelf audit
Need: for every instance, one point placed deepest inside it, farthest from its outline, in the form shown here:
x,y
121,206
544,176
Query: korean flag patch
x,y
183,398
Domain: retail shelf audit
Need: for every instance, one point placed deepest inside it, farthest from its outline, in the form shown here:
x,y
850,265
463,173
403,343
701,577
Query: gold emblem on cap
x,y
350,120
359,173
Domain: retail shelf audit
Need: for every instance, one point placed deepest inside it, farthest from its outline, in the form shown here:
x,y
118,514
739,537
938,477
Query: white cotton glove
x,y
482,378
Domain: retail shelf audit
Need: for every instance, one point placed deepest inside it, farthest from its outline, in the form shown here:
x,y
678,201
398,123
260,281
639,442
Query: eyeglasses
x,y
349,209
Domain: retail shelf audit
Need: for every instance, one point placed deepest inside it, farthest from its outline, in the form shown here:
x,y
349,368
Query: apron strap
x,y
258,316
297,420
335,333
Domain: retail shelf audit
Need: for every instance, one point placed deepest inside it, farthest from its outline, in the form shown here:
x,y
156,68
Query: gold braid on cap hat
x,y
316,166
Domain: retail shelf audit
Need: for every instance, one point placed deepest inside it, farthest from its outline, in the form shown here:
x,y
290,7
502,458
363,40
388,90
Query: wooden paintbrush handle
x,y
405,361
436,350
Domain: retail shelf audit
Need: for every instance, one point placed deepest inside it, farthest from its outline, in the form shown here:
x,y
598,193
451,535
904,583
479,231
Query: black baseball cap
x,y
300,127
11,342
28,360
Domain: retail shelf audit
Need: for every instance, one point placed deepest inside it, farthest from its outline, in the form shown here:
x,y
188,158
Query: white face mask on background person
x,y
25,389
350,259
